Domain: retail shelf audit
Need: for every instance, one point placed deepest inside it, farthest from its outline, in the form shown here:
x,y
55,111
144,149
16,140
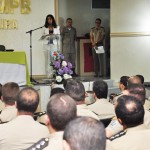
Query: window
x,y
96,4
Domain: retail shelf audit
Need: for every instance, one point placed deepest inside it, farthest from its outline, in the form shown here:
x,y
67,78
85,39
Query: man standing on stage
x,y
97,35
68,43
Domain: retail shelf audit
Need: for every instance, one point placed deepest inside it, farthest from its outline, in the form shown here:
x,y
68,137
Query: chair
x,y
40,117
2,48
38,114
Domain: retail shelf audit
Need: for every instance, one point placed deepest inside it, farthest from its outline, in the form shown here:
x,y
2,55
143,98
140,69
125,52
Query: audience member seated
x,y
23,131
76,90
60,110
41,116
138,91
10,91
101,107
56,90
130,114
84,133
147,90
122,86
89,97
134,80
139,80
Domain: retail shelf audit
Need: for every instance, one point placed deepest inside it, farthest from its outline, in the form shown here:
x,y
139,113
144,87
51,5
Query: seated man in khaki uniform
x,y
122,86
9,95
131,80
76,90
84,133
101,107
136,90
61,109
146,88
130,114
23,131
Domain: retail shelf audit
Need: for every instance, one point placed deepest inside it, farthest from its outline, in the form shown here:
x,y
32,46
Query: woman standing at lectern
x,y
50,25
51,41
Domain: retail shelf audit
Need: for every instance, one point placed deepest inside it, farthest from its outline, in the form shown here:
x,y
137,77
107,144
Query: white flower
x,y
58,78
66,76
69,76
64,63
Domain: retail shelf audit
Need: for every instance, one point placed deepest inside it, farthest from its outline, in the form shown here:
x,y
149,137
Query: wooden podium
x,y
85,62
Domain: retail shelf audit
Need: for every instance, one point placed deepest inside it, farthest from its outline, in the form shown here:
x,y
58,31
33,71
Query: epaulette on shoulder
x,y
41,144
119,94
120,134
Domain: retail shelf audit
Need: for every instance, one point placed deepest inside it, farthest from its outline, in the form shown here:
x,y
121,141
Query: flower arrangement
x,y
62,70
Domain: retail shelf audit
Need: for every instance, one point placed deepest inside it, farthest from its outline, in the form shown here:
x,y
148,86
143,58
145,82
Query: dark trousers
x,y
98,63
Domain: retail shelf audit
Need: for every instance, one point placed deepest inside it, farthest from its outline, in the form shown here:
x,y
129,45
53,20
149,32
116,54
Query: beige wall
x,y
19,40
130,36
82,14
130,32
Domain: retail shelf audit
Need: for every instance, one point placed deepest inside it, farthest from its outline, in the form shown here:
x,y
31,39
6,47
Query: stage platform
x,y
44,87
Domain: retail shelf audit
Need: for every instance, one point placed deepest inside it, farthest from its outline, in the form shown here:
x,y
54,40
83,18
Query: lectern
x,y
51,43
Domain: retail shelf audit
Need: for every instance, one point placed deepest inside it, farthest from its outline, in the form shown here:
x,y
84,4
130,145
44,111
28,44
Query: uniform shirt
x,y
109,145
97,34
68,39
82,110
2,105
147,89
115,127
116,98
136,138
55,141
8,114
102,108
147,104
21,133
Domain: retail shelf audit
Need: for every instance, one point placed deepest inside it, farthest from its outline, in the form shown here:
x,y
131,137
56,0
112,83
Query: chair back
x,y
106,121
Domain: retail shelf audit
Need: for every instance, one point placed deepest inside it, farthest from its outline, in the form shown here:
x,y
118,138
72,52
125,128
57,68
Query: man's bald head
x,y
129,110
134,80
61,109
27,100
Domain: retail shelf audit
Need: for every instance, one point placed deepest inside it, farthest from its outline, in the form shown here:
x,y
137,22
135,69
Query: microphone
x,y
34,29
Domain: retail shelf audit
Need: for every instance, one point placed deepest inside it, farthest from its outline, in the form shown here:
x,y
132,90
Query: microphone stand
x,y
30,32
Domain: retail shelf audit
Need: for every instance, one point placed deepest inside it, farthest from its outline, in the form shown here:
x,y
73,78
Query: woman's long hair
x,y
53,21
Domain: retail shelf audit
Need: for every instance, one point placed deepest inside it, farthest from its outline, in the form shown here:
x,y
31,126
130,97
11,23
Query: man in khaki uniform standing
x,y
97,35
130,114
68,34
